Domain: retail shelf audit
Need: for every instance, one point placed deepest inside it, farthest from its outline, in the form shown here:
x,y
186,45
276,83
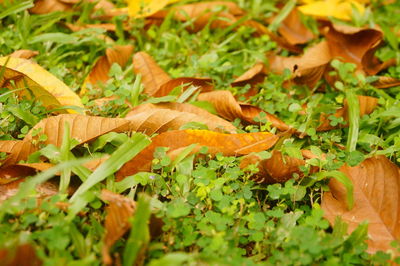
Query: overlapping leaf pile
x,y
220,124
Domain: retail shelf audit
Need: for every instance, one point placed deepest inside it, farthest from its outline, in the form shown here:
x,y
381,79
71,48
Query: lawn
x,y
199,133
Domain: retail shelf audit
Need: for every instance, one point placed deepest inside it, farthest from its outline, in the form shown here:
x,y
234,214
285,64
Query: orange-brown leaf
x,y
376,184
367,106
26,54
11,173
205,84
17,150
119,210
256,74
386,82
119,54
22,255
355,45
151,118
228,144
153,76
227,107
307,68
277,169
293,29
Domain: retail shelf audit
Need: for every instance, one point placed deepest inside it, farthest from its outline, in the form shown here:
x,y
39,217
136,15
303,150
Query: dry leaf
x,y
82,128
145,8
386,82
293,29
367,106
256,74
25,54
205,84
13,172
119,54
22,255
332,8
201,14
307,69
355,45
152,75
376,184
48,6
227,107
227,144
277,169
150,118
52,92
119,210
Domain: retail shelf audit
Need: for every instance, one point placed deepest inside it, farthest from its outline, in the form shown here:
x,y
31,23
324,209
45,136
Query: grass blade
x,y
354,119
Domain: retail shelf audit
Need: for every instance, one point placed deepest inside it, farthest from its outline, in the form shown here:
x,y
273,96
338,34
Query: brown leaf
x,y
119,54
385,82
227,144
22,255
48,6
150,118
256,74
376,184
119,210
293,29
13,172
260,30
43,190
205,84
277,169
26,54
152,75
82,128
367,106
227,107
203,12
355,45
308,68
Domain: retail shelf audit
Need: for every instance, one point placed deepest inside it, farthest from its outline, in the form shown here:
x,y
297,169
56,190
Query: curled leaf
x,y
227,107
376,184
151,118
256,74
25,54
45,87
205,84
386,82
119,210
119,54
367,106
227,144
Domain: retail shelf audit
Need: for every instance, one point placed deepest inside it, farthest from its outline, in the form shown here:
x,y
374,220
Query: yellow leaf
x,y
332,8
45,87
145,8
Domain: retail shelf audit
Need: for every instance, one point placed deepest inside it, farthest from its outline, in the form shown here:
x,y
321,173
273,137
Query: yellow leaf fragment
x,y
332,8
45,87
145,8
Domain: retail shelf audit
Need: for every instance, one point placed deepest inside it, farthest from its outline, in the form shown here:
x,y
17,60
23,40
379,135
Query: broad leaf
x,y
376,184
45,87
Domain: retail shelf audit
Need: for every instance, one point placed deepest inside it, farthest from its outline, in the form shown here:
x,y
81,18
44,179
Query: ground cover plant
x,y
199,133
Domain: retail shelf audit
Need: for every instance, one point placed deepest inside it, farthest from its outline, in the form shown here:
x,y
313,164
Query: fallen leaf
x,y
367,106
153,76
201,14
293,29
82,128
119,54
205,84
277,169
227,107
151,118
145,8
45,87
25,54
48,6
355,45
119,210
256,74
376,184
13,172
332,8
308,68
22,255
384,82
227,144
